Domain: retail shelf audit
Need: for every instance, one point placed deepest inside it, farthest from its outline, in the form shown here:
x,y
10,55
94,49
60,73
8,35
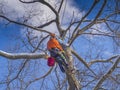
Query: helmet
x,y
52,34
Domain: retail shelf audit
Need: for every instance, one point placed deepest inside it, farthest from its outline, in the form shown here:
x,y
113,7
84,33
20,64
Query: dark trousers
x,y
61,62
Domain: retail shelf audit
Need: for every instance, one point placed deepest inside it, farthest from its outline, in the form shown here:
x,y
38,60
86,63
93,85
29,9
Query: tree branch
x,y
101,61
79,23
80,31
92,7
83,61
36,79
100,34
22,55
46,24
104,77
60,6
56,13
22,24
28,1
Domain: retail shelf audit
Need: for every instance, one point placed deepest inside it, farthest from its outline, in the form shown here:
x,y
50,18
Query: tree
x,y
97,22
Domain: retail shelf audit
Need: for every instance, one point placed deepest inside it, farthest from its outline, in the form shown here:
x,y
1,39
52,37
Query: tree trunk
x,y
74,84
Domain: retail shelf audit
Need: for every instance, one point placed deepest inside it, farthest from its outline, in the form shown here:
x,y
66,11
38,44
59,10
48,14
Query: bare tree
x,y
99,23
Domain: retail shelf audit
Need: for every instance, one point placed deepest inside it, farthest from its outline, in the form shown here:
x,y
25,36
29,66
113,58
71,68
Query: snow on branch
x,y
22,55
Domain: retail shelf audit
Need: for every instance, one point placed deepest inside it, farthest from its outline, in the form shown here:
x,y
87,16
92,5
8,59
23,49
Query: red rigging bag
x,y
51,61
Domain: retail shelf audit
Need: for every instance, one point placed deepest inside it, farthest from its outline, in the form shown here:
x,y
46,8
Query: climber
x,y
56,51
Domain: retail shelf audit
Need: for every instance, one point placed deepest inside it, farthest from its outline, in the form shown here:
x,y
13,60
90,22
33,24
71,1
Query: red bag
x,y
51,61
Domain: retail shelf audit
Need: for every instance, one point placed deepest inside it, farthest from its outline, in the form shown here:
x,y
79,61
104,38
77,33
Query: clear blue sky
x,y
8,35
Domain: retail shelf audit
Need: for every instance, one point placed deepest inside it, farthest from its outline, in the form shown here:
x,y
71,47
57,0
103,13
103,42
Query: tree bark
x,y
74,84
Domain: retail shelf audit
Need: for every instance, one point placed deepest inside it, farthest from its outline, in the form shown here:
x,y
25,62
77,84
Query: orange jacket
x,y
53,43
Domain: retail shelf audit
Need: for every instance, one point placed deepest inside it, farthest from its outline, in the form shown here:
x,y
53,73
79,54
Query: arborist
x,y
57,52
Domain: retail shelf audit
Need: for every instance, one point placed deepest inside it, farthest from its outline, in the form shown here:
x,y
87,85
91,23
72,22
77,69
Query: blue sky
x,y
8,35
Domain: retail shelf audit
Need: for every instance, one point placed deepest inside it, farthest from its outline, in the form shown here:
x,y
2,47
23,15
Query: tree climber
x,y
57,52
